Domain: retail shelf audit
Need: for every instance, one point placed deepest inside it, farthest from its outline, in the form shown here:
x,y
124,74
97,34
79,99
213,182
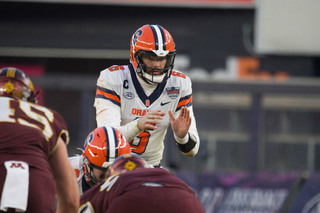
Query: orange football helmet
x,y
102,146
155,41
126,163
16,84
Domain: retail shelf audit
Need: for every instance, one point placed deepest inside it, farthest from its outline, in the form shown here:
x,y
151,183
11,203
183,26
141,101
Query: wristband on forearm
x,y
186,147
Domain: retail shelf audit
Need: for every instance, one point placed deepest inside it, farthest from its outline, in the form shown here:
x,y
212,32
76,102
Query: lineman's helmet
x,y
102,146
16,84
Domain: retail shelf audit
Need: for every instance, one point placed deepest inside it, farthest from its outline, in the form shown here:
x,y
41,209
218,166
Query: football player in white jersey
x,y
143,98
102,146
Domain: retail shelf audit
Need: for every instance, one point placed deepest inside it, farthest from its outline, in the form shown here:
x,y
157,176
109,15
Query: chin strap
x,y
89,177
146,77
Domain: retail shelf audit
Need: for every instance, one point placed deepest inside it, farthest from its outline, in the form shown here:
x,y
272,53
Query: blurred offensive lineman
x,y
133,187
34,166
142,99
102,146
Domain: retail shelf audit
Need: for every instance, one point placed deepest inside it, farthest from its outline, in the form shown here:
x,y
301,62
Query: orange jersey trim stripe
x,y
185,101
109,95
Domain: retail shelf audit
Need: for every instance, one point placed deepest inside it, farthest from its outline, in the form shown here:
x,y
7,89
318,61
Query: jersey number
x,y
175,73
115,68
7,115
140,146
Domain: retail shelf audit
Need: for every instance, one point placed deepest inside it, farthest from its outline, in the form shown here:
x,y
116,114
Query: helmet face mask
x,y
148,73
102,146
14,83
152,41
91,172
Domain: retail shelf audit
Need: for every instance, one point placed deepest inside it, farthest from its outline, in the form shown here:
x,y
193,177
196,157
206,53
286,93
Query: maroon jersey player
x,y
132,186
33,153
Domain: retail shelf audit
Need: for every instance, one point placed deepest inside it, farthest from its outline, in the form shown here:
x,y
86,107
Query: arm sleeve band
x,y
186,147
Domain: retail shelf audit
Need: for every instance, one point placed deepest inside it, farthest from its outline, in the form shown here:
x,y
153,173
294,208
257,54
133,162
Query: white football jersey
x,y
78,168
120,100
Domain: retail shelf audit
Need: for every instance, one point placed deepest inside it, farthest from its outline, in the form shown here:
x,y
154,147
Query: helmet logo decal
x,y
88,140
130,165
8,87
135,37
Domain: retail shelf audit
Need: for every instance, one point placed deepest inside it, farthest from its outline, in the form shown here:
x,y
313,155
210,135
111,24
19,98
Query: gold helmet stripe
x,y
11,72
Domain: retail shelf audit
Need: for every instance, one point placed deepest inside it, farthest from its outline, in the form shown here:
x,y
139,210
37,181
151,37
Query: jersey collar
x,y
147,100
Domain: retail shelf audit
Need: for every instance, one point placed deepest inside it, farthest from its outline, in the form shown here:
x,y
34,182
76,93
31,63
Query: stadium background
x,y
257,114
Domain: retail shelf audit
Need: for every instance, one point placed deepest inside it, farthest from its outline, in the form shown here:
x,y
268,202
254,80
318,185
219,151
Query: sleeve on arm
x,y
107,110
188,145
108,114
60,130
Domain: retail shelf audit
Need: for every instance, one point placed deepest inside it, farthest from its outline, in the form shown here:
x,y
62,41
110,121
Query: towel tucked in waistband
x,y
16,186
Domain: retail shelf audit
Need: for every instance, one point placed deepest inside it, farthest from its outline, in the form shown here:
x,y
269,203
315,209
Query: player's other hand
x,y
181,125
150,119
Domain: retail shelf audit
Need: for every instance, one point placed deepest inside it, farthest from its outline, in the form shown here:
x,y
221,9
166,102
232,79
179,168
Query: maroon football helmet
x,y
16,84
127,162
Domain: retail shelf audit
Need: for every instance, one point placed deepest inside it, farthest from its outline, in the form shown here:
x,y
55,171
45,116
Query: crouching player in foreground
x,y
34,166
133,186
102,146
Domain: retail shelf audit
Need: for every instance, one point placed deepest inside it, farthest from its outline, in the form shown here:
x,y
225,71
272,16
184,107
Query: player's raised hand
x,y
150,119
181,125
